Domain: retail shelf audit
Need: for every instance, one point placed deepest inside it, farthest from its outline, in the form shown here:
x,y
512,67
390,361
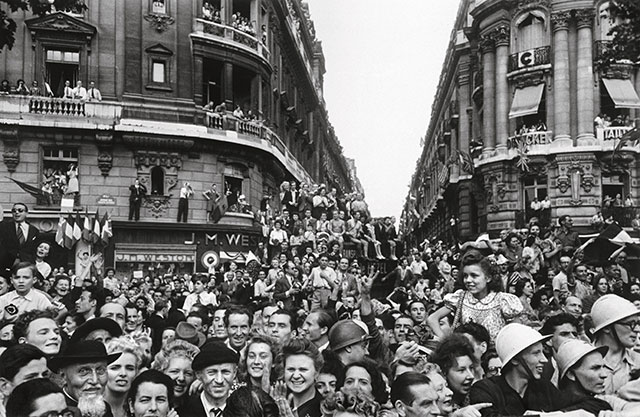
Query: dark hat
x,y
84,351
214,353
99,323
187,332
346,333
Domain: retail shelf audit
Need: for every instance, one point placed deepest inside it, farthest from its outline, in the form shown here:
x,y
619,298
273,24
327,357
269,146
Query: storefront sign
x,y
216,247
154,257
106,200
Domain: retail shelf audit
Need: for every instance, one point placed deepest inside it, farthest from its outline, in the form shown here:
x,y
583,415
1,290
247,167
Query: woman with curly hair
x,y
121,372
175,360
259,366
479,298
364,376
349,403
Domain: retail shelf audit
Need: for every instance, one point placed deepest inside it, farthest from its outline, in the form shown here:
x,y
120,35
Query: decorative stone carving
x,y
157,205
522,5
575,173
618,70
501,36
561,20
487,44
11,154
58,23
160,22
152,158
104,141
584,17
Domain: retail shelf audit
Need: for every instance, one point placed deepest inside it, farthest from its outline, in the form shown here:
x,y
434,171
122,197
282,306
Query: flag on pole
x,y
33,190
107,233
86,228
62,226
68,232
96,233
77,229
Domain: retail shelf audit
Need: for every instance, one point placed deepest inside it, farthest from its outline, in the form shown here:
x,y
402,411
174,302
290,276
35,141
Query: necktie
x,y
215,412
92,95
200,301
20,235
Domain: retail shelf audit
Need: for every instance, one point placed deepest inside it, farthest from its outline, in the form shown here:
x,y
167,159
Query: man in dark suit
x,y
292,198
135,199
17,239
284,289
216,367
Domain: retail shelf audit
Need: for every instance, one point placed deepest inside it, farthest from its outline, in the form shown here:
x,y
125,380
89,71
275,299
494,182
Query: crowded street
x,y
185,231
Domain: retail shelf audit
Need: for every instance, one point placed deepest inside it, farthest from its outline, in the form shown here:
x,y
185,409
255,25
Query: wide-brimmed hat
x,y
611,308
84,351
572,351
99,323
515,338
346,333
188,332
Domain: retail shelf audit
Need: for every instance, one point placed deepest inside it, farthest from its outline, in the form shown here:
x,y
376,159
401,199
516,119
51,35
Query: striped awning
x,y
622,93
526,101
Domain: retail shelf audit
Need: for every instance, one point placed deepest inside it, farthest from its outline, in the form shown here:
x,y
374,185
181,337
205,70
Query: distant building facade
x,y
522,115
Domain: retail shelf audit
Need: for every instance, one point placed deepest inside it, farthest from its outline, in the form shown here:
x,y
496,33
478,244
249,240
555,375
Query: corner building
x,y
156,64
518,94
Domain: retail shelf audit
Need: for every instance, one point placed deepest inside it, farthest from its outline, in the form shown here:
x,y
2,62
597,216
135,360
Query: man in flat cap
x,y
216,367
83,367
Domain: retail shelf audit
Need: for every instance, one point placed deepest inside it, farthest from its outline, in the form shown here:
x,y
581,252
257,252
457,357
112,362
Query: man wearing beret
x,y
216,367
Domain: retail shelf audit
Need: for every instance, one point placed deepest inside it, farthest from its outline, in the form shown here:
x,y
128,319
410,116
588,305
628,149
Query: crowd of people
x,y
212,13
522,324
603,121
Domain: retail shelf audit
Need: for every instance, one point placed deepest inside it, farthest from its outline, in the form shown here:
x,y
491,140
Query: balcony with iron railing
x,y
226,35
50,112
531,58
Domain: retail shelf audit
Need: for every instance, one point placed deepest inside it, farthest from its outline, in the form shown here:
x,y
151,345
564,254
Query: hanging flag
x,y
77,229
86,227
630,138
220,208
34,191
62,226
96,233
68,232
107,233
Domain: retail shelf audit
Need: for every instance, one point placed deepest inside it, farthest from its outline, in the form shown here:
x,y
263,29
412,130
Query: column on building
x,y
501,38
561,86
226,10
584,18
487,46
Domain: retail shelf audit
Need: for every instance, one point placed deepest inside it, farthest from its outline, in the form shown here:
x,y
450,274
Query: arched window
x,y
531,31
157,181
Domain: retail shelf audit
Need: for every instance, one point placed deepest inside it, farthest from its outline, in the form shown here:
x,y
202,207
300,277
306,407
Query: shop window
x,y
534,188
159,6
58,166
157,181
531,31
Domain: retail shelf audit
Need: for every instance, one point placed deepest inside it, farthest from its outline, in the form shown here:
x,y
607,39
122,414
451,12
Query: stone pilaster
x,y
561,82
501,38
11,142
464,75
584,18
487,46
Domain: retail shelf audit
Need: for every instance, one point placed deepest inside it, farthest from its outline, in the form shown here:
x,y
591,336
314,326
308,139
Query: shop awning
x,y
622,93
526,101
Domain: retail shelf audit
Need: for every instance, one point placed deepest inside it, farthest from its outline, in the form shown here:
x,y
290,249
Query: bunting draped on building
x,y
90,229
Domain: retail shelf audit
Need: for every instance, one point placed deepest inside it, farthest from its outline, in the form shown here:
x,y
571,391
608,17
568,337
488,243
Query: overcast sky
x,y
383,61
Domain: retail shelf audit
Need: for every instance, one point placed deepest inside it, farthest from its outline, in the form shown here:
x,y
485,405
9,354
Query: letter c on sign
x,y
210,258
526,59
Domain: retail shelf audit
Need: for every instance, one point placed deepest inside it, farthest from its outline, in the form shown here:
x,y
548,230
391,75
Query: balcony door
x,y
61,66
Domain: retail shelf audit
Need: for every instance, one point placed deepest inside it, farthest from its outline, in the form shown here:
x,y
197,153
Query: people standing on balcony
x,y
79,93
209,106
238,112
138,192
68,90
93,94
73,186
186,192
21,88
212,196
35,89
221,108
5,88
628,202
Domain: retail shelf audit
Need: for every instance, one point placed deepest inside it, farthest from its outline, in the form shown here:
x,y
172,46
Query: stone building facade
x,y
157,63
517,117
